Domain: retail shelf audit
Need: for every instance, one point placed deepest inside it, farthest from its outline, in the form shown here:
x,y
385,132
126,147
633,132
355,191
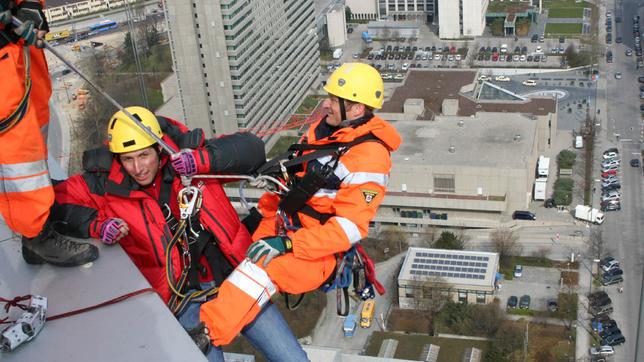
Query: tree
x,y
506,243
449,240
596,244
567,312
542,253
127,55
497,26
347,13
394,237
431,296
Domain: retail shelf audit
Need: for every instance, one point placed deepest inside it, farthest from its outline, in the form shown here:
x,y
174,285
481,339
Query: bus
x,y
57,35
102,26
368,310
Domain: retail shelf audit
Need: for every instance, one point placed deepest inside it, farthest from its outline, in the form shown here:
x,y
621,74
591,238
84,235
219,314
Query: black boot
x,y
51,247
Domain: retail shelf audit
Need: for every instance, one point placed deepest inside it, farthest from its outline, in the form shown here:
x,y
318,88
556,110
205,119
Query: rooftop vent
x,y
517,138
461,123
452,149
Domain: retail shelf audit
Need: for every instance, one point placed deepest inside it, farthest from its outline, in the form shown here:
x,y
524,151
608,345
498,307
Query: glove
x,y
271,247
184,163
32,17
112,230
200,335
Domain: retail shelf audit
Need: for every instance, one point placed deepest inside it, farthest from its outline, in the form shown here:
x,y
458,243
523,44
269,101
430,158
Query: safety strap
x,y
19,112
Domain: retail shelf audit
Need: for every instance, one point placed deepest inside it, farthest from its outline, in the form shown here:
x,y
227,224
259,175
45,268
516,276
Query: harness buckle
x,y
189,199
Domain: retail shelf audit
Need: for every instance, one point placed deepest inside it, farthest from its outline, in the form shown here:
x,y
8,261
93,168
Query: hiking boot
x,y
51,247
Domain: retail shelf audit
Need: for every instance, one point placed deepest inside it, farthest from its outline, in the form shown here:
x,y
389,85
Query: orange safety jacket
x,y
26,194
362,173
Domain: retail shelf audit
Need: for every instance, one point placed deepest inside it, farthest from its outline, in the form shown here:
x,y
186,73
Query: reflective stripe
x,y
324,159
364,177
15,170
349,228
326,193
25,184
341,171
253,281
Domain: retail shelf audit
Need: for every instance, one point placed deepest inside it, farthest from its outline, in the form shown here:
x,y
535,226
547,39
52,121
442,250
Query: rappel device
x,y
27,327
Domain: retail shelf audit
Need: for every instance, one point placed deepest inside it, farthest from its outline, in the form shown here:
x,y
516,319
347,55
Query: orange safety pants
x,y
243,294
26,194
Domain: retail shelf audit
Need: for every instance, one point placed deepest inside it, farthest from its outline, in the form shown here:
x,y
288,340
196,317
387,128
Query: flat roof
x,y
489,140
456,267
436,85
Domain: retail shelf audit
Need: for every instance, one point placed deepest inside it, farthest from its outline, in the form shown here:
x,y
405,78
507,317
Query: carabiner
x,y
189,199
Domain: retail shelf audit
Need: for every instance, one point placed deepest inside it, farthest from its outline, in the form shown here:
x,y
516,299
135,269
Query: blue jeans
x,y
268,333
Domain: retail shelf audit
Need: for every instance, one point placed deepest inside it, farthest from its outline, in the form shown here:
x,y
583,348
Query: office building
x,y
242,64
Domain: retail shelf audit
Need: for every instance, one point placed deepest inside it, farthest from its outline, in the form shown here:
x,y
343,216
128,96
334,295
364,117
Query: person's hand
x,y
270,247
184,163
34,23
113,230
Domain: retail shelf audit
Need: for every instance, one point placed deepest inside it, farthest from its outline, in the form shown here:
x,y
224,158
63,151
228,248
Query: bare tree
x,y
596,244
432,294
542,253
394,237
505,242
431,234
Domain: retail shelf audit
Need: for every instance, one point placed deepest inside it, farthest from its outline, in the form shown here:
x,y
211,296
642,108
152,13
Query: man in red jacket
x,y
129,193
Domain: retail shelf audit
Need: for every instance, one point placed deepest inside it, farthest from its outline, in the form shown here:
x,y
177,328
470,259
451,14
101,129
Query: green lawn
x,y
410,346
282,145
563,29
566,13
559,4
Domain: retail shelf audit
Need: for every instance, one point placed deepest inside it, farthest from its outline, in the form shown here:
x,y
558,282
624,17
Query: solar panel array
x,y
450,265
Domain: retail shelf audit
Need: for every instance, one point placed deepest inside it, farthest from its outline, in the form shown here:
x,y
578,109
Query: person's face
x,y
141,165
334,117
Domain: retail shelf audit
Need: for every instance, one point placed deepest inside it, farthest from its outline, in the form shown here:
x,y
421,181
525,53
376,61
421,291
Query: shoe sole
x,y
34,259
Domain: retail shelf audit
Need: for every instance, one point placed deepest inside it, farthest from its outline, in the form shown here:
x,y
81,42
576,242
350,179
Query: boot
x,y
51,247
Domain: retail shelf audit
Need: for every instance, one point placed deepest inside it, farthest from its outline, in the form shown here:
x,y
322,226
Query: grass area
x,y
282,145
326,55
566,13
565,4
550,343
410,346
308,104
506,267
562,29
520,311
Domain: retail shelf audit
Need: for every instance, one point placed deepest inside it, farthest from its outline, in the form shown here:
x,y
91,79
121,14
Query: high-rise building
x,y
242,63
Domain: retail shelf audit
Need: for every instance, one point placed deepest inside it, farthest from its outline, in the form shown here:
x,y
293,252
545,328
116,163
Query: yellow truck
x,y
368,310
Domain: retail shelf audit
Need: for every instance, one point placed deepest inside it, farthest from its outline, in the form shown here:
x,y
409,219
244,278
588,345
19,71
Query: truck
x,y
366,37
587,213
368,310
540,189
543,166
337,53
349,326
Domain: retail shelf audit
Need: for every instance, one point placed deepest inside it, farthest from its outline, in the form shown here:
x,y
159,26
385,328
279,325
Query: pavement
x,y
539,283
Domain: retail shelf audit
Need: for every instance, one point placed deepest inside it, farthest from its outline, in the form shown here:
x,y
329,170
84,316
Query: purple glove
x,y
113,230
184,163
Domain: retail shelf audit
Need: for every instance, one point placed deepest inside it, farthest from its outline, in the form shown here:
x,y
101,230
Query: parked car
x,y
535,38
604,309
612,195
614,330
635,162
549,203
524,302
602,351
605,261
529,82
612,187
613,272
613,340
613,264
552,305
502,78
612,280
523,215
518,271
611,207
612,172
512,301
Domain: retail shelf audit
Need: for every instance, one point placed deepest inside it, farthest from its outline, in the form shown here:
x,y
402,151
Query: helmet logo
x,y
378,94
341,82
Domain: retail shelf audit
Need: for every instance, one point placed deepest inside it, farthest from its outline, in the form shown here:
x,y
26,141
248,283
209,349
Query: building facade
x,y
461,18
242,64
407,9
363,9
336,23
456,275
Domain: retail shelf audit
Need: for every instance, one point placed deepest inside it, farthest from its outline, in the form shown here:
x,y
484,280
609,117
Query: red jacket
x,y
99,195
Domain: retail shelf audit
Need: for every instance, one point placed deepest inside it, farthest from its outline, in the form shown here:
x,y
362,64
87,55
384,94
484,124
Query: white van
x,y
579,142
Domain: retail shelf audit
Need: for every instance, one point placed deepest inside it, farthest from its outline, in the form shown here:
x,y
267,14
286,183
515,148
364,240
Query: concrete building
x,y
462,276
242,64
336,23
408,9
392,29
462,18
363,9
60,10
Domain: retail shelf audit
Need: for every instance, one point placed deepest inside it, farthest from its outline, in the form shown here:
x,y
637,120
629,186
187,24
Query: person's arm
x,y
363,187
79,206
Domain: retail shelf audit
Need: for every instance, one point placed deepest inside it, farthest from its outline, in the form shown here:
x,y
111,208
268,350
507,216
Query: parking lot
x,y
539,283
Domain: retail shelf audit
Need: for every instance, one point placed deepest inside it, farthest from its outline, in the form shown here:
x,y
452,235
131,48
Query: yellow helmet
x,y
125,136
357,82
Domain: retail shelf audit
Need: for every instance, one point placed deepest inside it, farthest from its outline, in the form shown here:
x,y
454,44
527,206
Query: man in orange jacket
x,y
26,193
296,253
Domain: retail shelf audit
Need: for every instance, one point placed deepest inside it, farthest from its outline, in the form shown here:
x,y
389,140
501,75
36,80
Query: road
x,y
623,229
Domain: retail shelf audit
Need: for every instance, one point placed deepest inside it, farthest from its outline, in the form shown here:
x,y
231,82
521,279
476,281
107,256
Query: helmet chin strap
x,y
343,113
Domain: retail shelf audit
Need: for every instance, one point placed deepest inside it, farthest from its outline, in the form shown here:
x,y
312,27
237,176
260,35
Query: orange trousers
x,y
26,194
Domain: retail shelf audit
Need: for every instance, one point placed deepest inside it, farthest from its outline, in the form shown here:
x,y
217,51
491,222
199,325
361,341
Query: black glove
x,y
32,17
200,335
